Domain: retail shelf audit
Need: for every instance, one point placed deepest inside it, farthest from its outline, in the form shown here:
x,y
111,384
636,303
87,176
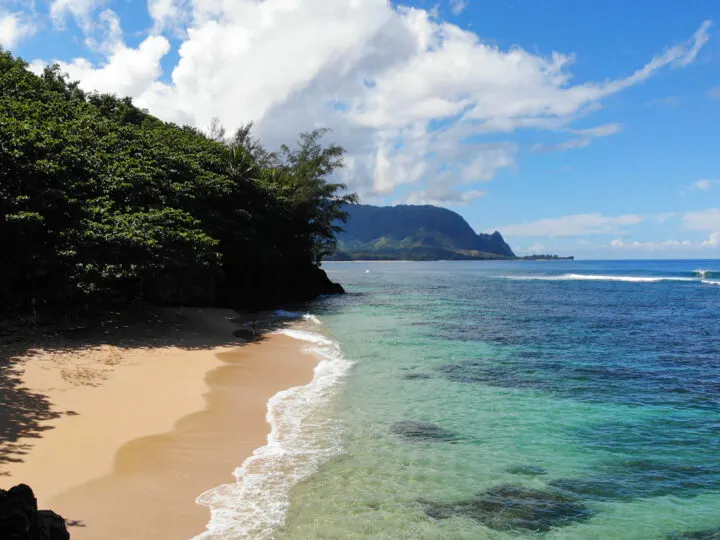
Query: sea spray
x,y
706,274
299,442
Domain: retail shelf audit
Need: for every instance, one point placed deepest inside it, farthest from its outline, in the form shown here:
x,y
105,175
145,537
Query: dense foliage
x,y
101,201
409,232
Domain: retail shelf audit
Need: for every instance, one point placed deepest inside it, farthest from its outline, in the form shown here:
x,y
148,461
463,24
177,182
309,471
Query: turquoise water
x,y
521,399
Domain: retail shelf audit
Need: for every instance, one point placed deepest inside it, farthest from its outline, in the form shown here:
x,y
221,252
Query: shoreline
x,y
137,435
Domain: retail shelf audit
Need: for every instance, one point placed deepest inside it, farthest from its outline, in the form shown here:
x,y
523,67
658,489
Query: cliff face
x,y
415,232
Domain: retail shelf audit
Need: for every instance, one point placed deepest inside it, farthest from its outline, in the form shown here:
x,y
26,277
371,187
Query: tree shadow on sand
x,y
23,413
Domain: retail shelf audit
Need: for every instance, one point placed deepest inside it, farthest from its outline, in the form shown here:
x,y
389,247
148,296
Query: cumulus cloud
x,y
14,27
167,13
126,71
410,96
575,225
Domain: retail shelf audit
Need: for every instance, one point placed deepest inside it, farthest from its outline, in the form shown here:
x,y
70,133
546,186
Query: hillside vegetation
x,y
100,201
414,233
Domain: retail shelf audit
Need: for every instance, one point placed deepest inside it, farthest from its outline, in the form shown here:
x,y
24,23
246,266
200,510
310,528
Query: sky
x,y
579,128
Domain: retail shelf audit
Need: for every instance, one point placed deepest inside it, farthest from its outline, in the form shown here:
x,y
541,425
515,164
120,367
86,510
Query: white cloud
x,y
651,246
127,71
108,35
599,131
713,241
705,184
458,6
668,245
575,225
702,220
443,197
80,10
587,136
167,13
14,27
408,95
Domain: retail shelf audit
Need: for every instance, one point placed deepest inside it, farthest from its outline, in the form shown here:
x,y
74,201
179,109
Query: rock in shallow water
x,y
416,376
422,432
526,470
508,508
641,478
709,534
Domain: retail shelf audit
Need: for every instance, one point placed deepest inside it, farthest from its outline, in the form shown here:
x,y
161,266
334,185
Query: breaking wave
x,y
299,442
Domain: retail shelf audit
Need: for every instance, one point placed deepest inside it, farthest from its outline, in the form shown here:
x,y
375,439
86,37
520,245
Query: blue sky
x,y
585,128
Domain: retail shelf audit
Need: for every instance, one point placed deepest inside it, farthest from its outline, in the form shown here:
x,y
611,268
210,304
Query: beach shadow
x,y
23,413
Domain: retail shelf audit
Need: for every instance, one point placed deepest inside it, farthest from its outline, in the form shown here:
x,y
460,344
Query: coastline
x,y
137,434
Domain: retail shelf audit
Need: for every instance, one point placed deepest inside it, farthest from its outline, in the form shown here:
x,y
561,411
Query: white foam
x,y
296,315
593,277
711,282
306,336
299,442
705,273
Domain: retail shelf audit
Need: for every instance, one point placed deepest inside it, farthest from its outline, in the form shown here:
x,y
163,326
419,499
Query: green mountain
x,y
414,233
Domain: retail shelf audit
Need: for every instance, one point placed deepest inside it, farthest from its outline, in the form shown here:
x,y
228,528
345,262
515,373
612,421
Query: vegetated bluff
x,y
407,232
100,202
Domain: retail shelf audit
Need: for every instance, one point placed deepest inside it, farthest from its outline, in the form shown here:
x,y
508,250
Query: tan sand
x,y
150,429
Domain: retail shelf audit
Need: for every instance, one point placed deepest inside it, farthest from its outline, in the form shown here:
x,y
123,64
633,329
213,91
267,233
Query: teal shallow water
x,y
569,400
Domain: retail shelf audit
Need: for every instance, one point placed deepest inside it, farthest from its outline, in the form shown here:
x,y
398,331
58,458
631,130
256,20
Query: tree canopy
x,y
101,201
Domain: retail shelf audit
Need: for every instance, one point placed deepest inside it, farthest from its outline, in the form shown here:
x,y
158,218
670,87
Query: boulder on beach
x,y
20,518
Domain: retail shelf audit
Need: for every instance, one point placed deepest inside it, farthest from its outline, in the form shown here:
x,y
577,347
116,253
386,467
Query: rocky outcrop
x,y
514,508
20,518
276,285
407,232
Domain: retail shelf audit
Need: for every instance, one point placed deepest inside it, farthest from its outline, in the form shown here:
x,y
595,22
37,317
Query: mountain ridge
x,y
414,232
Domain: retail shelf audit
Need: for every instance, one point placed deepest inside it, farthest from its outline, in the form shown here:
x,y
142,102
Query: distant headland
x,y
417,233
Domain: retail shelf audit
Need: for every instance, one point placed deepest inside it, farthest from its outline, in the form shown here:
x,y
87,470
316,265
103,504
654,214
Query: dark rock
x,y
21,520
708,534
416,376
422,431
527,470
507,508
641,478
277,285
593,488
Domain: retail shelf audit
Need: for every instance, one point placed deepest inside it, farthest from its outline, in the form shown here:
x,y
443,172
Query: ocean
x,y
514,399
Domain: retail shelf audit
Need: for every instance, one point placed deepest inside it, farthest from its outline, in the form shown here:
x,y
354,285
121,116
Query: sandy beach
x,y
133,434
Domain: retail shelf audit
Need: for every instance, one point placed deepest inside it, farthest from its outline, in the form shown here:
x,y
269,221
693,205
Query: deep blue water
x,y
566,399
